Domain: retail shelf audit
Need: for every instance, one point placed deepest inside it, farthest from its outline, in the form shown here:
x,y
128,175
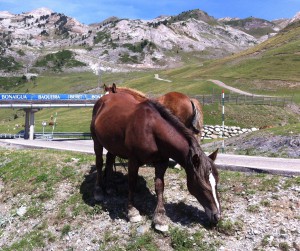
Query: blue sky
x,y
92,11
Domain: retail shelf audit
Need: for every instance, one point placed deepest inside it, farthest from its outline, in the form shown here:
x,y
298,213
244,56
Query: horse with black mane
x,y
147,133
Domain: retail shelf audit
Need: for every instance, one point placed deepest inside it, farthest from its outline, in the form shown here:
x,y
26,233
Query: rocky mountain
x,y
27,40
295,18
259,28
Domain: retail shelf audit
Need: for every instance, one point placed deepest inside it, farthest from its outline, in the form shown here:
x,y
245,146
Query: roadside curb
x,y
246,169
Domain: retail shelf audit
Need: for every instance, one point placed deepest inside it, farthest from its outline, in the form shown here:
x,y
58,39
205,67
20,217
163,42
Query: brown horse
x,y
146,132
189,111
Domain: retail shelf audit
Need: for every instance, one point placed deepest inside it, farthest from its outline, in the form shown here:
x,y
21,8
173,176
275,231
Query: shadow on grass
x,y
145,201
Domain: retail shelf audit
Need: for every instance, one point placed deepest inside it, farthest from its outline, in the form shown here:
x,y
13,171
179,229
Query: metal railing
x,y
240,99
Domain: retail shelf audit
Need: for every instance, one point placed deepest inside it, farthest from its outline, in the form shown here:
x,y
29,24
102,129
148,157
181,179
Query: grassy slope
x,y
271,68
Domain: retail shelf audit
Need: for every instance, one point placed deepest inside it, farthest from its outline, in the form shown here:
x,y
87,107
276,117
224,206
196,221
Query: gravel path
x,y
156,76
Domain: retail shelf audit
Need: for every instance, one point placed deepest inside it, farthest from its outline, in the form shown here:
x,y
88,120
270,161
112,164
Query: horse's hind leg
x,y
133,213
110,160
159,218
98,193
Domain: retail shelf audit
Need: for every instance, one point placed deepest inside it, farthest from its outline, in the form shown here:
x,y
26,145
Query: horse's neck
x,y
184,151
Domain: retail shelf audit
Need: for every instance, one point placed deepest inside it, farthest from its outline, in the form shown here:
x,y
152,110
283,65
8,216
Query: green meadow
x,y
270,68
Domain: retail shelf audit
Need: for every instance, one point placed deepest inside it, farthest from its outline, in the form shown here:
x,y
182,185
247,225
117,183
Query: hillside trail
x,y
221,84
156,76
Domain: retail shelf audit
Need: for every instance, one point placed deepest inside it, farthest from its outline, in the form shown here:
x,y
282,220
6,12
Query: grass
x,y
143,242
70,119
65,230
6,84
56,61
182,240
34,178
229,227
253,209
8,64
40,176
31,240
271,68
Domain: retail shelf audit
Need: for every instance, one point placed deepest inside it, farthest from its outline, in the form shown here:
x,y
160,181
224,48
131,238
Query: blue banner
x,y
48,96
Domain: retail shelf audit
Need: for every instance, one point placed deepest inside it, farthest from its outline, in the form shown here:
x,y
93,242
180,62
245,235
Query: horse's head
x,y
110,89
202,180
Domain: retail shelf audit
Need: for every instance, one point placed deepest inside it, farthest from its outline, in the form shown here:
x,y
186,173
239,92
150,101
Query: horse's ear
x,y
213,156
114,88
196,160
104,87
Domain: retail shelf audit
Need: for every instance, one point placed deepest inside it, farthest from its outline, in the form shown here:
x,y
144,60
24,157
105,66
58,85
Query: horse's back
x,y
179,104
123,124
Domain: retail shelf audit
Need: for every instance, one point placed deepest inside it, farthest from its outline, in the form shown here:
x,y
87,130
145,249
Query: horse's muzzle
x,y
216,218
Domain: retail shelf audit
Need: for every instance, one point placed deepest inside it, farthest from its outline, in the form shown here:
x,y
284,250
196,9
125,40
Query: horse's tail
x,y
96,109
197,118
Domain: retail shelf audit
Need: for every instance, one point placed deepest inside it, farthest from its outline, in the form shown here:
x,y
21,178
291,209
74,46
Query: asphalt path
x,y
281,166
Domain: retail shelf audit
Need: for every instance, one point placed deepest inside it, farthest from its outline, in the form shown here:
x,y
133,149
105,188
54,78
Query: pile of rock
x,y
216,131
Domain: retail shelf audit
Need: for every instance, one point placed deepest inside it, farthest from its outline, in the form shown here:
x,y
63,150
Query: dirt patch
x,y
256,145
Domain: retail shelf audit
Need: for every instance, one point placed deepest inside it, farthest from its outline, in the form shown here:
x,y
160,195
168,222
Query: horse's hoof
x,y
98,197
135,219
177,166
134,215
98,194
161,228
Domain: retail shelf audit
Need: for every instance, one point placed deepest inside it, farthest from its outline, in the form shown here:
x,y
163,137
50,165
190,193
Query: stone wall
x,y
214,132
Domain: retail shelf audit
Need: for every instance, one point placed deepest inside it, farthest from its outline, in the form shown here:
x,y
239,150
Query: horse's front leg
x,y
133,168
160,218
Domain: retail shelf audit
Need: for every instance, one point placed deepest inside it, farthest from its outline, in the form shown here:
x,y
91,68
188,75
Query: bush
x,y
56,61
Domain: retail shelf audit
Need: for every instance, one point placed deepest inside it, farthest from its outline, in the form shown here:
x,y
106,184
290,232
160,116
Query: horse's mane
x,y
169,116
133,92
195,148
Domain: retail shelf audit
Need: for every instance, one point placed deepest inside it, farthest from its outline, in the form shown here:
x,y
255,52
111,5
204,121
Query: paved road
x,y
221,84
224,161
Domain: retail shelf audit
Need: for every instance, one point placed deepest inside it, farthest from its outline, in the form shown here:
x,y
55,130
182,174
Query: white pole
x,y
54,122
223,119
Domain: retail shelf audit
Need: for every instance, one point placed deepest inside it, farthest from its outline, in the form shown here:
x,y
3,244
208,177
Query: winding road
x,y
221,84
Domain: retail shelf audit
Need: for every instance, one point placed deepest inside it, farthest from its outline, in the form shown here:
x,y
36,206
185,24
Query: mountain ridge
x,y
123,44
